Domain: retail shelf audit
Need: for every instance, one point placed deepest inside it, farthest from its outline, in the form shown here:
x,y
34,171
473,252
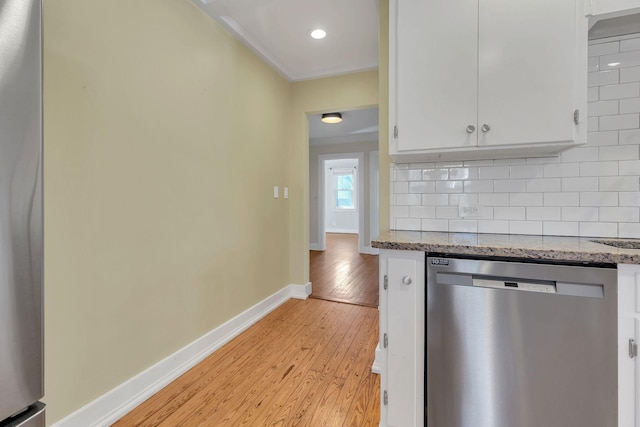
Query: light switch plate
x,y
275,192
286,192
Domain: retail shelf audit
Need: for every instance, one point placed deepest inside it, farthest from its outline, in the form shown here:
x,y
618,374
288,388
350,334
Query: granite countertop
x,y
553,248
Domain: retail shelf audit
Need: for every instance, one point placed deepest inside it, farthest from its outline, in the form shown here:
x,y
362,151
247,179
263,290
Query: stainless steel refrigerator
x,y
21,245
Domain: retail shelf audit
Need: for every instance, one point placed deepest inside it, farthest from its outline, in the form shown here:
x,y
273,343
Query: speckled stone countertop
x,y
552,248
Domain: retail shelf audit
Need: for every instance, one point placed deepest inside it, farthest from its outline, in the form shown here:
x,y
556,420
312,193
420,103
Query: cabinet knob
x,y
471,129
486,127
406,280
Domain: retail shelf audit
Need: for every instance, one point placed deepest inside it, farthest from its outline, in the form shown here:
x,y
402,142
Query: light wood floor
x,y
307,363
341,273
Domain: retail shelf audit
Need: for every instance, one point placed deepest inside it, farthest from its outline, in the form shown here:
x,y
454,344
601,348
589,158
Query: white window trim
x,y
340,172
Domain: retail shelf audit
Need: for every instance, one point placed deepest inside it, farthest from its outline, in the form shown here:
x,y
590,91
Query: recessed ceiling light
x,y
331,118
318,34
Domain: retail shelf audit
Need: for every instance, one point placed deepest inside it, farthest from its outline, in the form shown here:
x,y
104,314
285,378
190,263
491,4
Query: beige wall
x,y
351,91
163,139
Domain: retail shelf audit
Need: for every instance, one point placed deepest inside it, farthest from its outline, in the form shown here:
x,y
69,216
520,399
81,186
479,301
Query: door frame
x,y
322,158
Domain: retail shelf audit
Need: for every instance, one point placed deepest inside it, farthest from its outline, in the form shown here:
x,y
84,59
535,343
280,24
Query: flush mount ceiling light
x,y
331,118
318,34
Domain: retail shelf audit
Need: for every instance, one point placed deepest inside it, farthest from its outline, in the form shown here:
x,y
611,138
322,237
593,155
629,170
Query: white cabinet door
x,y
402,319
435,72
527,71
628,329
520,68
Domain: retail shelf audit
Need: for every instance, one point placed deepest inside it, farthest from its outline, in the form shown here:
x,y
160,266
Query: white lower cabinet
x,y
402,340
628,338
402,332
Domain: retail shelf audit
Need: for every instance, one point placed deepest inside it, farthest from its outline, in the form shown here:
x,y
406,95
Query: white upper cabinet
x,y
489,79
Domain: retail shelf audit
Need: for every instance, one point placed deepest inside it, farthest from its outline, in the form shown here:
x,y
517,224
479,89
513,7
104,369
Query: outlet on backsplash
x,y
470,211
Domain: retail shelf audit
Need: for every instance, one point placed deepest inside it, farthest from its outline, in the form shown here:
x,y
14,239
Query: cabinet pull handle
x,y
486,127
406,280
633,348
471,129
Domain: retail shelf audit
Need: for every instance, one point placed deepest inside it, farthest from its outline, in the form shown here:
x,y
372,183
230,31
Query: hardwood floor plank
x,y
342,274
358,411
355,371
306,363
153,411
234,378
262,390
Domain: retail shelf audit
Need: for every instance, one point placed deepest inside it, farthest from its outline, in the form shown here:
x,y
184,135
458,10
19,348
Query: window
x,y
344,189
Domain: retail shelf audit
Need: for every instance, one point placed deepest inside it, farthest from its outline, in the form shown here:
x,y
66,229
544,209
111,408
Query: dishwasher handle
x,y
528,286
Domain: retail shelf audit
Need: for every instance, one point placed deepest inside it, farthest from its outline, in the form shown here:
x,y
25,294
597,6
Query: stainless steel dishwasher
x,y
514,344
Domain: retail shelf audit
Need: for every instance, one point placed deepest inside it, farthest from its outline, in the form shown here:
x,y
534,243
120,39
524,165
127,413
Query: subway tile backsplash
x,y
593,190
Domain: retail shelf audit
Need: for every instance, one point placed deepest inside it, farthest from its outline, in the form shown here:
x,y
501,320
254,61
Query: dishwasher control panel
x,y
549,288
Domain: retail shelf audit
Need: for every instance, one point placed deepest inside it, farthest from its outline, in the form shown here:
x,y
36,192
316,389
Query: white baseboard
x,y
370,251
376,368
315,247
300,291
113,405
341,230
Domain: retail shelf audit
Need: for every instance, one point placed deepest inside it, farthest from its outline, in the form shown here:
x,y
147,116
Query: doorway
x,y
343,211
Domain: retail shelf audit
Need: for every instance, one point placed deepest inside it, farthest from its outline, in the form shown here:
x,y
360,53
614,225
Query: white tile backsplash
x,y
599,168
624,90
599,198
601,78
629,105
544,185
546,213
622,121
579,214
435,199
602,108
493,172
525,199
509,213
600,49
463,226
631,74
525,227
629,198
422,211
618,214
603,138
598,229
630,44
421,187
493,226
631,230
564,228
593,190
561,199
580,184
619,60
629,137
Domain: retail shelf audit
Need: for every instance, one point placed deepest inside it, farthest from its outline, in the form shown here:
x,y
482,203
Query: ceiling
x,y
356,126
278,31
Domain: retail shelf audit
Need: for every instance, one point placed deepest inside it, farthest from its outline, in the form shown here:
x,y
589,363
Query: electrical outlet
x,y
470,211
